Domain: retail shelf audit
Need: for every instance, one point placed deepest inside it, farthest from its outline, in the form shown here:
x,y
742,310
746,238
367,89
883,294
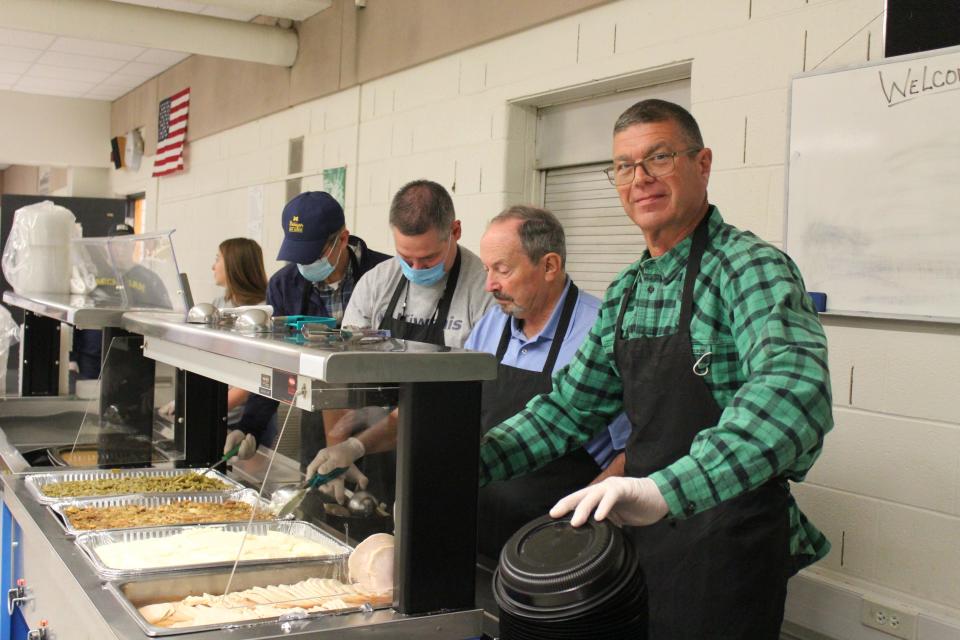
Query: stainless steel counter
x,y
388,361
64,590
37,423
82,312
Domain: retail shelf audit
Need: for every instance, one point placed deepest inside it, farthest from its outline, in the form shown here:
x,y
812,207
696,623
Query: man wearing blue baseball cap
x,y
325,260
325,263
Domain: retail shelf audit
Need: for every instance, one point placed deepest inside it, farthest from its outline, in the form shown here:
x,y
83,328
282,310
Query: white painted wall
x,y
49,130
888,484
86,182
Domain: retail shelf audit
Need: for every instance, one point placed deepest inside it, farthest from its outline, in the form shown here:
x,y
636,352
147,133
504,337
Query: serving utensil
x,y
226,456
315,481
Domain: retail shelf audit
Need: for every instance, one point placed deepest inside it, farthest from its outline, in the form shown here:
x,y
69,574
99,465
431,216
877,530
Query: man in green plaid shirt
x,y
712,347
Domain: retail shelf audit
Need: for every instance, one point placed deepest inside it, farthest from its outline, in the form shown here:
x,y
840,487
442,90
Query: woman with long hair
x,y
238,268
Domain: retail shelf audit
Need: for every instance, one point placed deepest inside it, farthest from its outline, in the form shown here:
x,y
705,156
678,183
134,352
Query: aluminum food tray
x,y
91,541
243,495
57,454
37,481
171,587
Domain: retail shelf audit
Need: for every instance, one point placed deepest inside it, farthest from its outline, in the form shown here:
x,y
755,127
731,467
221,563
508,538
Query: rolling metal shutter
x,y
601,239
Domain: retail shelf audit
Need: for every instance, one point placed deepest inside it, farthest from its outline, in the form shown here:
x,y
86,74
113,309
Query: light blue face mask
x,y
320,270
423,277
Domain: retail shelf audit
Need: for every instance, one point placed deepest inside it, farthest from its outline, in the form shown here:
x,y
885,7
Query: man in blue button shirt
x,y
537,327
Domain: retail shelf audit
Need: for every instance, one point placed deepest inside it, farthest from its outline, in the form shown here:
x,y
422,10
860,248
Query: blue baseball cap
x,y
308,220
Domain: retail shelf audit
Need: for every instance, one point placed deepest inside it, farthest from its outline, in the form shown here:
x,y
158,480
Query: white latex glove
x,y
167,410
248,444
339,455
631,501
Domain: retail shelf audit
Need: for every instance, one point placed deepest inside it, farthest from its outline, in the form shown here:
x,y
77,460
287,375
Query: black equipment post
x,y
438,452
200,418
40,352
127,380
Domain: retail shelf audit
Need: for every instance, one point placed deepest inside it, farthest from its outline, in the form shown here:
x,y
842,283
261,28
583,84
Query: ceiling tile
x,y
80,75
18,54
121,81
142,69
28,39
44,63
162,56
9,66
96,49
104,93
74,61
53,87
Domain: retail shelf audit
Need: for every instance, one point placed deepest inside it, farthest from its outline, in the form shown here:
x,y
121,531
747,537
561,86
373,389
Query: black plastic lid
x,y
550,565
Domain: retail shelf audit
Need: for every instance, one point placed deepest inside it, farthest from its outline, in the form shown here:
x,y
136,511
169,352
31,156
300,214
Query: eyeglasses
x,y
657,165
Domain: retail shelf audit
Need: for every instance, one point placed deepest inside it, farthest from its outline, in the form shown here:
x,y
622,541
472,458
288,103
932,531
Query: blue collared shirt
x,y
531,354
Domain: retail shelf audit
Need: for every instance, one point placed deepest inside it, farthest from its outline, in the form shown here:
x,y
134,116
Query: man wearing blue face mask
x,y
325,263
325,260
434,290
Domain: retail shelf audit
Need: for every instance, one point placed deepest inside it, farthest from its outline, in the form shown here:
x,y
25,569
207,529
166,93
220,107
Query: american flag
x,y
172,132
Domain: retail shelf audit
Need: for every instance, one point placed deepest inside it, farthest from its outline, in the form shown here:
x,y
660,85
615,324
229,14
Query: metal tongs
x,y
317,480
318,332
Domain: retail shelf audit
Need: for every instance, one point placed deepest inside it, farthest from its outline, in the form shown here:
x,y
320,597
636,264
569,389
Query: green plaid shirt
x,y
767,371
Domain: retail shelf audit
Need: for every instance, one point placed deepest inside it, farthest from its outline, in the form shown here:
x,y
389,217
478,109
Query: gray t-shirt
x,y
373,292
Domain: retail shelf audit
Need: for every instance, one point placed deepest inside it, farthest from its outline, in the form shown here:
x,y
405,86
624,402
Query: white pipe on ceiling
x,y
137,25
291,9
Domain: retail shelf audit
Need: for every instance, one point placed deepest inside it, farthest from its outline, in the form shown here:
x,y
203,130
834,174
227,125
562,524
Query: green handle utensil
x,y
226,456
312,483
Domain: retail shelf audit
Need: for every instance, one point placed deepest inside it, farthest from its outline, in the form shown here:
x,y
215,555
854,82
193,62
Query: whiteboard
x,y
873,185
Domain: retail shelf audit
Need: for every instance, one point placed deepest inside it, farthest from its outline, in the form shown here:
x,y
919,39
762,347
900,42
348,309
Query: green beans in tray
x,y
120,484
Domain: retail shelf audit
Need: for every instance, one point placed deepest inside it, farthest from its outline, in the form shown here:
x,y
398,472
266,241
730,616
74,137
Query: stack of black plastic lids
x,y
555,581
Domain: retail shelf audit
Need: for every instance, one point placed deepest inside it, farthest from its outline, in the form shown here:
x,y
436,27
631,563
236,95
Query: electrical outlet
x,y
897,619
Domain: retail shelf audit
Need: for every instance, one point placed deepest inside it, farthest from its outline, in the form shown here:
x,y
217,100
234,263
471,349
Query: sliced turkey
x,y
371,564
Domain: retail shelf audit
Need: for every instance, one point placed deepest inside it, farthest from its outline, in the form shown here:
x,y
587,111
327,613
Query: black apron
x,y
429,332
381,468
505,506
722,573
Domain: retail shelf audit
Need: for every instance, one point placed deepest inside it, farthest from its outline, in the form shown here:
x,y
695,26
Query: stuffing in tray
x,y
184,512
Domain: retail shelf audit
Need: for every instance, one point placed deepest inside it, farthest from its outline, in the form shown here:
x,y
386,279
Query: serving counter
x,y
81,312
437,395
61,588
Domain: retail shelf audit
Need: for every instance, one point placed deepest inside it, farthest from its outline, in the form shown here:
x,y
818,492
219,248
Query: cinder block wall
x,y
887,489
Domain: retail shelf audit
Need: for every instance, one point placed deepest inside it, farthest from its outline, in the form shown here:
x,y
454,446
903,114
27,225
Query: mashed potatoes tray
x,y
138,551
